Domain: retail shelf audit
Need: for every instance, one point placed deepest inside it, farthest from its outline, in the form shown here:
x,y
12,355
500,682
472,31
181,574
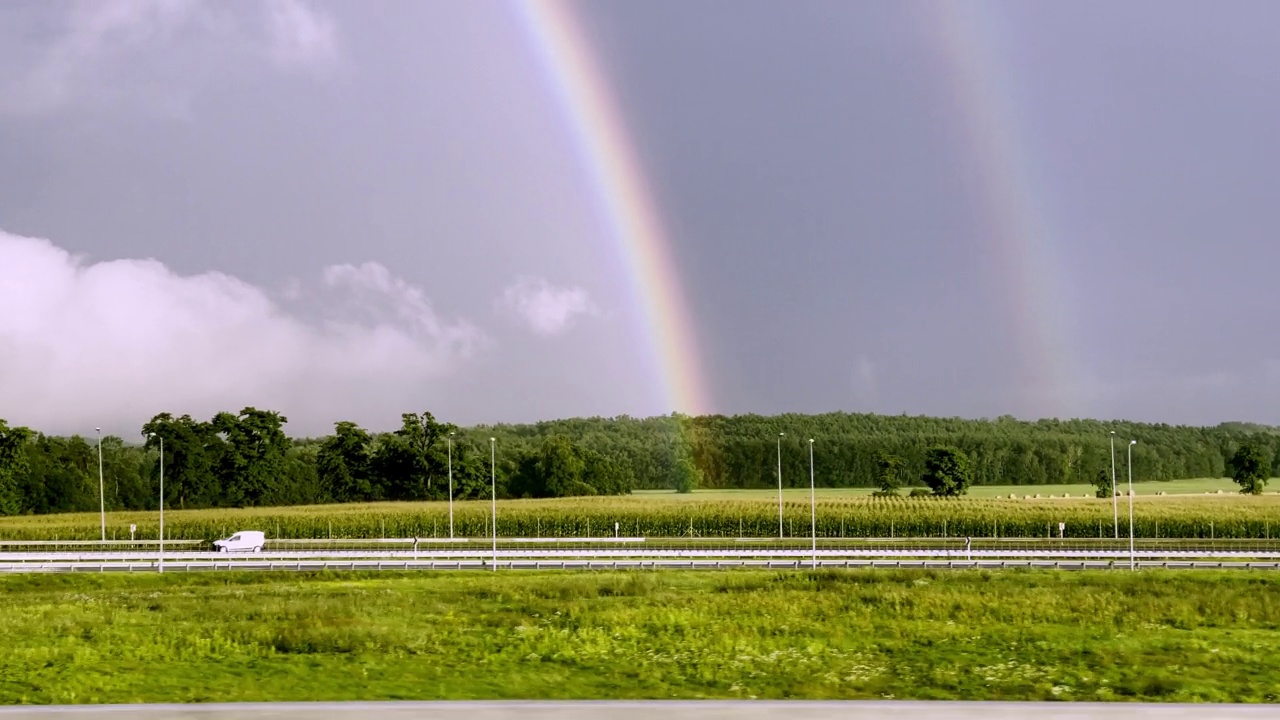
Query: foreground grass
x,y
1012,636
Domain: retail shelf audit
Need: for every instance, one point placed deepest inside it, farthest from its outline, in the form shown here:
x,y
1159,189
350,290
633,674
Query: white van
x,y
243,541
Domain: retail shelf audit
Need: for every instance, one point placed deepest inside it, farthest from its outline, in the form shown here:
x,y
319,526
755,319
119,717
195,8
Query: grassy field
x,y
1196,486
1155,516
1174,636
702,515
1193,486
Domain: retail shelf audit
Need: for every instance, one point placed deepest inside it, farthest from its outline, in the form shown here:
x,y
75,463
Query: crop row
x,y
1233,517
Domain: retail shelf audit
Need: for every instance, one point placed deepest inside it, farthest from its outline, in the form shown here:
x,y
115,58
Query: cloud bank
x,y
112,343
545,309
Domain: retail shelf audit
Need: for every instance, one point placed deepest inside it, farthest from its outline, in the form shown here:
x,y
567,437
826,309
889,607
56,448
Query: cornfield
x,y
853,517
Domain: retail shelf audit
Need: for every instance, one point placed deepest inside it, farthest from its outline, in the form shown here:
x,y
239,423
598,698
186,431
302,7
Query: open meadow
x,y
1170,636
712,514
1189,486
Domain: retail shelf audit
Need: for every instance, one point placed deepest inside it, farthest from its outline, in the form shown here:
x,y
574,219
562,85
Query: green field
x,y
850,519
1194,486
1187,510
1184,636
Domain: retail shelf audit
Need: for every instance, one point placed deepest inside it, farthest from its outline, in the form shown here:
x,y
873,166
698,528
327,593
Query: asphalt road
x,y
667,710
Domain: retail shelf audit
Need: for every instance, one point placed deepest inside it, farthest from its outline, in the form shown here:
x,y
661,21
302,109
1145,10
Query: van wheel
x,y
258,549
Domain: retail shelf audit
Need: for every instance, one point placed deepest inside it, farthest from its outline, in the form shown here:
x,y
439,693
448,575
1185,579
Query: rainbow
x,y
605,150
1020,235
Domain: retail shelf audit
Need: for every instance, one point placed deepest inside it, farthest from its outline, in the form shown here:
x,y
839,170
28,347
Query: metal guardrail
x,y
303,565
654,553
628,557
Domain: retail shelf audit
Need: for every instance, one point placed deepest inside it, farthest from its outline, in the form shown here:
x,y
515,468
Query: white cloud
x,y
42,70
84,344
91,30
301,35
546,309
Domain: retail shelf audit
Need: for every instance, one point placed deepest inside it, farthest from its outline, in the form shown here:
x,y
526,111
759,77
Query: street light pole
x,y
162,504
1115,511
450,486
493,477
780,485
813,508
1131,444
160,564
102,496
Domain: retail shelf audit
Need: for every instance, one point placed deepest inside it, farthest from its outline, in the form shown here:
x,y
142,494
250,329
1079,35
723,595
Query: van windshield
x,y
233,538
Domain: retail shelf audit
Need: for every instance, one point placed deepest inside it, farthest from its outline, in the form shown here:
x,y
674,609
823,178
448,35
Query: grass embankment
x,y
1009,636
710,515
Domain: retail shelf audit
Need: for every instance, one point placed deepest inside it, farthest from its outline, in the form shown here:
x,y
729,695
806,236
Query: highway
x,y
595,557
643,710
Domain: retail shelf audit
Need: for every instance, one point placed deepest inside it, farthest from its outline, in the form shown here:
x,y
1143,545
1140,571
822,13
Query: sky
x,y
346,212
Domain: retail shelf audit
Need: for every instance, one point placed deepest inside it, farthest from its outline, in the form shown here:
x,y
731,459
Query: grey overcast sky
x,y
346,210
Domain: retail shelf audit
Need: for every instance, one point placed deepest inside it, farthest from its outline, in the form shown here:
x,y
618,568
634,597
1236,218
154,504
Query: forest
x,y
247,459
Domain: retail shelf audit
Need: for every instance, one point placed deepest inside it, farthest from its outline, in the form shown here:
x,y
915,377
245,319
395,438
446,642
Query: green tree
x,y
254,462
1102,484
687,476
888,473
606,476
947,471
1250,467
192,453
424,433
344,464
13,463
471,473
560,468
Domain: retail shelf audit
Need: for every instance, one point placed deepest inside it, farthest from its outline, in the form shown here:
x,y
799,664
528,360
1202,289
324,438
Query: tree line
x,y
246,459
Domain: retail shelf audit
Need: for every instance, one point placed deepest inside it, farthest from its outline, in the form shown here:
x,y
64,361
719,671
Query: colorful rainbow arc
x,y
1019,228
605,148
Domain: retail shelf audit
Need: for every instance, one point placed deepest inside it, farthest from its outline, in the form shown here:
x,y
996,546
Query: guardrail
x,y
302,565
635,554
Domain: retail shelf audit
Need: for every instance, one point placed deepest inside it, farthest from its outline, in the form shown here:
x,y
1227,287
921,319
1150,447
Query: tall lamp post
x,y
780,485
813,508
1131,561
160,565
493,479
102,496
1115,511
450,486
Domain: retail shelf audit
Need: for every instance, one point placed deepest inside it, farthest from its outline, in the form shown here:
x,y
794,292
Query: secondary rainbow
x,y
605,150
1020,232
